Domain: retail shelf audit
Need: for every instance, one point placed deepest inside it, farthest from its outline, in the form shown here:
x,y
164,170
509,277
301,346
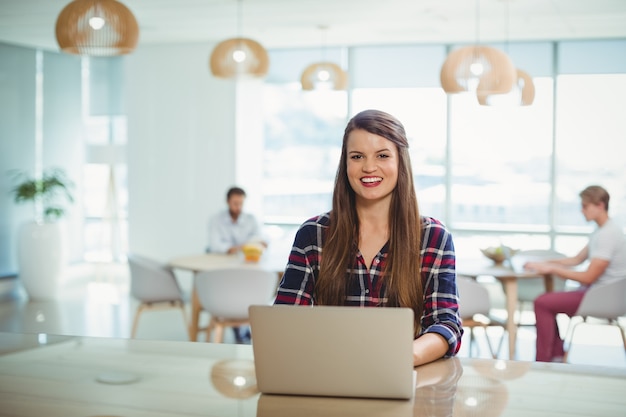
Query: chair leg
x,y
219,333
133,331
567,340
493,355
181,305
496,353
500,342
567,346
621,330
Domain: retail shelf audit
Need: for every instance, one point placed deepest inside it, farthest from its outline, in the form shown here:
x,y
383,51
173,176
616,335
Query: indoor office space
x,y
149,139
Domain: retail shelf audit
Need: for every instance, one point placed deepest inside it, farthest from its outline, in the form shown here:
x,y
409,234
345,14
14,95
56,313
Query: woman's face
x,y
372,166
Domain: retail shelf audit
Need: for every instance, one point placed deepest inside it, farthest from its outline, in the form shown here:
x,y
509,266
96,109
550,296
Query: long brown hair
x,y
402,274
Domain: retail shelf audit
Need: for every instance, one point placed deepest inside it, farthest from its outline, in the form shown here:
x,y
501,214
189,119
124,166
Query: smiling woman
x,y
377,249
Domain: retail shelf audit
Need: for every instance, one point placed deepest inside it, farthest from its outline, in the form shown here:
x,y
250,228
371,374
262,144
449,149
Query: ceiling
x,y
296,23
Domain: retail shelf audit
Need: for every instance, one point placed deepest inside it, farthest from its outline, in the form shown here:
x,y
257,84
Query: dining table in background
x,y
509,278
73,376
211,261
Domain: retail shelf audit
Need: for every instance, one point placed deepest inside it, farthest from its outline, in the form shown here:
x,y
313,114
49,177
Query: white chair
x,y
530,288
155,286
227,293
601,301
475,311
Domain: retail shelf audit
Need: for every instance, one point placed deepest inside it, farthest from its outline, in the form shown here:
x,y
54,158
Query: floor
x,y
94,301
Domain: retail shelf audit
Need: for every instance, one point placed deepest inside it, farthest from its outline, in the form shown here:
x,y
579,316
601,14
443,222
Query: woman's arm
x,y
441,321
298,282
429,347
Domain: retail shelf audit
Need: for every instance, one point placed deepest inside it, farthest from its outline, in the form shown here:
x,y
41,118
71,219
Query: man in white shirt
x,y
606,252
230,229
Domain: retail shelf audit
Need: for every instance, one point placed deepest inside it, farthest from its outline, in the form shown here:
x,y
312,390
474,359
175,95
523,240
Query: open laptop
x,y
333,351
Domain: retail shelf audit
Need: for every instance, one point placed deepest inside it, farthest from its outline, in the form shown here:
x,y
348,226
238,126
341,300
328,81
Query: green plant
x,y
48,193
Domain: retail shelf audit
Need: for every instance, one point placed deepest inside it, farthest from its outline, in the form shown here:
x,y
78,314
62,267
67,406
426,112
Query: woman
x,y
375,243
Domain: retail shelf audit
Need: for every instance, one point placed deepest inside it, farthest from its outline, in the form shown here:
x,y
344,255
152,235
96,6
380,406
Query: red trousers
x,y
547,306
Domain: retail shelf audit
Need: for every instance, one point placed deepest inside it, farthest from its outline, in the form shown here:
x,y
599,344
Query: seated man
x,y
230,229
606,252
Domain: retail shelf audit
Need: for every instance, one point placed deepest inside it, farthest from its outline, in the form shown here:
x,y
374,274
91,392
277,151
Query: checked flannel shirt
x,y
438,276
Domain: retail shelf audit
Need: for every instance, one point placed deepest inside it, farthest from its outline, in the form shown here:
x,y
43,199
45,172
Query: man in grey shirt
x,y
606,253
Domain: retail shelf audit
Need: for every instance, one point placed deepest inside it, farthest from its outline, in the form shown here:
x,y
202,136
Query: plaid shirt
x,y
367,289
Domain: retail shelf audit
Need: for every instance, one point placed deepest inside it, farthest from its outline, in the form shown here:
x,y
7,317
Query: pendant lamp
x,y
483,69
324,75
97,28
239,57
522,93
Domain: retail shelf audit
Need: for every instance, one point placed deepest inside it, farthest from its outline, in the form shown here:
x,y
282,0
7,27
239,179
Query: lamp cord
x,y
477,22
323,28
239,18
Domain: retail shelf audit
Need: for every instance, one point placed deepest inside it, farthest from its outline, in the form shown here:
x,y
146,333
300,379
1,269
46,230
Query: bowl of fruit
x,y
498,254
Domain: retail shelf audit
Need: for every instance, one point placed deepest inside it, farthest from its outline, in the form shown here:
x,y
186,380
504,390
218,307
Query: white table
x,y
509,278
45,375
212,261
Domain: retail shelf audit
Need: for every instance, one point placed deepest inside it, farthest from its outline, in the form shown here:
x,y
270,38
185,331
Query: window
x,y
501,162
303,132
498,174
105,194
590,145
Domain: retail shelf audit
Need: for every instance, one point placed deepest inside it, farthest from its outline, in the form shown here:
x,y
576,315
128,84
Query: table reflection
x,y
234,378
435,394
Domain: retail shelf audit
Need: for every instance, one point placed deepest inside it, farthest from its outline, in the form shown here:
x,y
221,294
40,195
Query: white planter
x,y
41,256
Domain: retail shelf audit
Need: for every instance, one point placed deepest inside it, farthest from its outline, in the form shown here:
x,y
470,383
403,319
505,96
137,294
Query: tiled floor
x,y
95,301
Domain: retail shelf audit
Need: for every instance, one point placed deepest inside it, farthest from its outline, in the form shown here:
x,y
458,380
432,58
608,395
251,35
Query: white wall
x,y
181,147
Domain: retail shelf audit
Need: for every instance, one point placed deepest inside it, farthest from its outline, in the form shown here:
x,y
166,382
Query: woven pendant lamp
x,y
522,93
483,69
527,87
478,68
97,28
324,75
239,57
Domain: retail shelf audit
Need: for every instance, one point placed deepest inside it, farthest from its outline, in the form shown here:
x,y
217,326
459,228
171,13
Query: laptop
x,y
333,351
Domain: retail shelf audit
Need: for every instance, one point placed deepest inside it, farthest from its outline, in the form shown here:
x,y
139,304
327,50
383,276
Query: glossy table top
x,y
207,261
46,375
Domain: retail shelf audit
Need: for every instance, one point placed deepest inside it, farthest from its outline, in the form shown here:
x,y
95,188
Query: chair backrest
x,y
473,298
151,281
606,301
529,289
228,292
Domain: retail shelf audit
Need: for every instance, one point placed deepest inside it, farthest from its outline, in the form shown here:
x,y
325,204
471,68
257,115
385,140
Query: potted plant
x,y
41,242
